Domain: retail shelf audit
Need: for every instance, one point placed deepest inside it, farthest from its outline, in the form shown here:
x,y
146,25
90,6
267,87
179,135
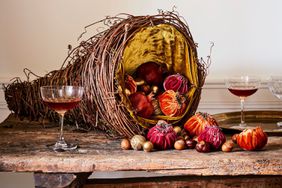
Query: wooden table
x,y
23,149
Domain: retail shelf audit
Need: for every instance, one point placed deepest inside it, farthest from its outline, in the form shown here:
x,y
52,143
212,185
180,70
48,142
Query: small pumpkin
x,y
214,136
252,139
177,83
162,135
196,124
171,103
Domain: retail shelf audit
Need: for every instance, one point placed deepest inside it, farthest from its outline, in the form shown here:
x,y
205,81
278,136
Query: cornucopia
x,y
112,65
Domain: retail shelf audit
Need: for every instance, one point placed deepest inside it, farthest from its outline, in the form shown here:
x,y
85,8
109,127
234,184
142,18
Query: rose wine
x,y
62,104
242,92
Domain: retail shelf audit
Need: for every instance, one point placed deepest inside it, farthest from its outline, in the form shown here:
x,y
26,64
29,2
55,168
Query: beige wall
x,y
247,34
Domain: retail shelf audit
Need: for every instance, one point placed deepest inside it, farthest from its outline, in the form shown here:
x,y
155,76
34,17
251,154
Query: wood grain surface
x,y
189,182
23,149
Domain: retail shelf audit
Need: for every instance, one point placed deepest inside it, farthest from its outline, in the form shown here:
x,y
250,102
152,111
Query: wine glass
x,y
275,86
61,99
242,87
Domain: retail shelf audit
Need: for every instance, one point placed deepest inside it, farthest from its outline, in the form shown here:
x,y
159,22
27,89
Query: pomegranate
x,y
141,104
151,72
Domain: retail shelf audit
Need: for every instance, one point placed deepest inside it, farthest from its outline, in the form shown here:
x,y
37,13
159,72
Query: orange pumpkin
x,y
197,123
252,139
171,103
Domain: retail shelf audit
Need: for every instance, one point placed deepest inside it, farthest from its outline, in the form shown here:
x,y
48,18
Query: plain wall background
x,y
34,34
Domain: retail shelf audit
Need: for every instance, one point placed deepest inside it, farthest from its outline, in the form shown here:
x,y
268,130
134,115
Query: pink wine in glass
x,y
243,87
242,92
61,99
62,104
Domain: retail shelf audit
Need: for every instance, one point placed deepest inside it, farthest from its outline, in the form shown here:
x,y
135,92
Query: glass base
x,y
61,146
279,124
243,124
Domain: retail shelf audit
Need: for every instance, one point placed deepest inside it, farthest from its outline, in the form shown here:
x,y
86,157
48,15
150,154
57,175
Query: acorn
x,y
148,146
125,144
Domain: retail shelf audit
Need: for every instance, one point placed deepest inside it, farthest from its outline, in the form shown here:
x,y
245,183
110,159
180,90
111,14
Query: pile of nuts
x,y
164,136
139,142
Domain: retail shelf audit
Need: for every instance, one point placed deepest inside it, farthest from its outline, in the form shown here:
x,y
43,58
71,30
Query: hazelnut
x,y
179,144
148,146
125,144
177,130
227,146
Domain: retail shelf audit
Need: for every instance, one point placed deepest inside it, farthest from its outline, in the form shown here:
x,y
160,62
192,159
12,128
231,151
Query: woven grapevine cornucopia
x,y
101,63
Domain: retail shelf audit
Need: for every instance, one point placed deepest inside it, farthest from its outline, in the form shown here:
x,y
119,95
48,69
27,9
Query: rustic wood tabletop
x,y
23,148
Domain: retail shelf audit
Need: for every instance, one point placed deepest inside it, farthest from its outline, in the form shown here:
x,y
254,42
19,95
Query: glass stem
x,y
242,100
61,136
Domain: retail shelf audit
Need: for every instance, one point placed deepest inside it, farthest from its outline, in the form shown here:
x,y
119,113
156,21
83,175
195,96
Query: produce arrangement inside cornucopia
x,y
142,81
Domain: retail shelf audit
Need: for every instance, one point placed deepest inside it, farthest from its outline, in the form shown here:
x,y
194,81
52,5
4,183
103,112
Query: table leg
x,y
54,180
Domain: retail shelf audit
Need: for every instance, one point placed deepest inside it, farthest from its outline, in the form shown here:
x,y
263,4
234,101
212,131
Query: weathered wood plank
x,y
189,181
24,149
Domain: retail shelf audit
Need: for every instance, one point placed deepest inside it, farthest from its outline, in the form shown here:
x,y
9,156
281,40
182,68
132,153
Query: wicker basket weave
x,y
99,65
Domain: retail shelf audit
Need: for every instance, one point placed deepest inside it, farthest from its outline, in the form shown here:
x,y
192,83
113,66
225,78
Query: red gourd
x,y
214,136
177,83
162,135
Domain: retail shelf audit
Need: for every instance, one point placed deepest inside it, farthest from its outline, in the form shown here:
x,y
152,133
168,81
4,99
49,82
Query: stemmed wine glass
x,y
242,87
61,99
275,86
